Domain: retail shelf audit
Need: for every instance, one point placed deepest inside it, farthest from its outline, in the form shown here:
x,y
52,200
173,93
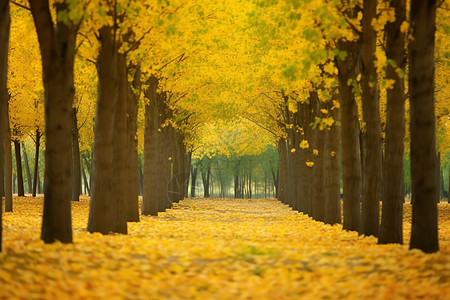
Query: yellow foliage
x,y
217,249
304,144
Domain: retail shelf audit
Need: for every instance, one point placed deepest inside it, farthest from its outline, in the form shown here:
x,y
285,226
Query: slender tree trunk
x,y
441,183
27,169
187,168
86,182
76,157
107,211
37,142
141,177
205,180
425,189
132,180
4,42
193,181
351,163
20,188
8,164
370,214
87,170
391,229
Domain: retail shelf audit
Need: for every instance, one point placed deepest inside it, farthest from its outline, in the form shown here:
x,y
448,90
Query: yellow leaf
x,y
304,144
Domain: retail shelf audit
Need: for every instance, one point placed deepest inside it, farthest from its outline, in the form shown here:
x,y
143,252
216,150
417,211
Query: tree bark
x,y
391,228
187,168
4,44
193,181
107,212
155,185
351,161
86,182
425,189
120,153
76,157
37,142
27,169
132,180
57,45
20,187
332,167
370,213
8,164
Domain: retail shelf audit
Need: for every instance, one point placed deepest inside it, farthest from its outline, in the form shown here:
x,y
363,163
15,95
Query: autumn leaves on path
x,y
216,249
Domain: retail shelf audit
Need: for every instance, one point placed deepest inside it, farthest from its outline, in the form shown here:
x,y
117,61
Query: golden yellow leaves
x,y
304,144
217,249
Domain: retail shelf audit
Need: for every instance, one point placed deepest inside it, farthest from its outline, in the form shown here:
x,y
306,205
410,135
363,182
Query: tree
x,y
371,117
424,186
57,46
351,159
391,228
4,42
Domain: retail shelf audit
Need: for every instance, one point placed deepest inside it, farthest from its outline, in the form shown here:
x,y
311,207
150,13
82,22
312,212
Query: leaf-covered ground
x,y
217,249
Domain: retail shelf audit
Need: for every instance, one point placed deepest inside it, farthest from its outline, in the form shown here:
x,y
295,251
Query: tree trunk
x,y
27,169
120,173
76,158
391,228
332,167
20,188
132,180
37,142
86,182
441,183
351,163
370,213
57,44
8,164
4,43
87,170
187,168
141,177
155,185
193,181
425,189
107,211
282,169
